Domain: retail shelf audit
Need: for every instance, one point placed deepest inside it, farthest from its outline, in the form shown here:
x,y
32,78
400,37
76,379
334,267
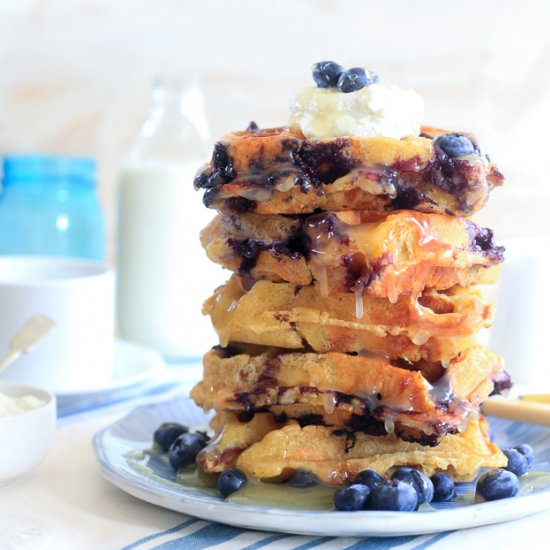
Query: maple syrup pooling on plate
x,y
283,495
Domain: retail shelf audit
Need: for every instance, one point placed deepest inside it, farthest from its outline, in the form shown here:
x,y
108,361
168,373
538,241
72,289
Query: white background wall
x,y
75,74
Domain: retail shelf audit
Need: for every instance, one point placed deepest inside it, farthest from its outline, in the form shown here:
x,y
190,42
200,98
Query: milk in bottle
x,y
163,273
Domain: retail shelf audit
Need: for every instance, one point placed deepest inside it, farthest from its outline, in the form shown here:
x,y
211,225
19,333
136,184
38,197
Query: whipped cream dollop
x,y
17,405
375,110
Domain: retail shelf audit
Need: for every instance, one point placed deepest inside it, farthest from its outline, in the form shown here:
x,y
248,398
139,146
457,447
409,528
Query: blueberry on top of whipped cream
x,y
328,74
356,78
354,102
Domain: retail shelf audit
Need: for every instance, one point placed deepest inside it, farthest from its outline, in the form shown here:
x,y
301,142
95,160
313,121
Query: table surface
x,y
66,503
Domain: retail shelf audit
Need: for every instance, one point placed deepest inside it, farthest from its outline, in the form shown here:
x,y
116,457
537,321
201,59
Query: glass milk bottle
x,y
163,273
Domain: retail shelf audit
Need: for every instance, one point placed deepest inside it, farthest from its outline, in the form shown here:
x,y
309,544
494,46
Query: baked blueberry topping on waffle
x,y
419,402
356,251
280,171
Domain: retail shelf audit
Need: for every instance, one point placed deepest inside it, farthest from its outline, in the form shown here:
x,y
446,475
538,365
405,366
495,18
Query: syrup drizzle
x,y
329,402
322,279
464,413
441,391
222,306
393,295
323,248
359,300
420,338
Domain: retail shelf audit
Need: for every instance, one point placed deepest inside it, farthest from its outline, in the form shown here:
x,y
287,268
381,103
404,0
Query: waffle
x,y
420,402
279,171
384,255
336,456
233,437
435,327
347,330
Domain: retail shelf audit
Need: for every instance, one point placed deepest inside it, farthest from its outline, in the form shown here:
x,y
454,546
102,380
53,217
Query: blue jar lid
x,y
30,168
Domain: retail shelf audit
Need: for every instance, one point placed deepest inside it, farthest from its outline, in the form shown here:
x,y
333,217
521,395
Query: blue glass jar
x,y
49,206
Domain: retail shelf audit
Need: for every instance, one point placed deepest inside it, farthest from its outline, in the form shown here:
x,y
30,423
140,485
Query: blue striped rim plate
x,y
118,449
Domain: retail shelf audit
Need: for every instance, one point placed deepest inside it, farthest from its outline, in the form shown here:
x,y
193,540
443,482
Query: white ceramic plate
x,y
118,449
132,364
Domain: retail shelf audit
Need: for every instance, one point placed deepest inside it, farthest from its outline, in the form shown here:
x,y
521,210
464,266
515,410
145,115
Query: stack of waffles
x,y
347,330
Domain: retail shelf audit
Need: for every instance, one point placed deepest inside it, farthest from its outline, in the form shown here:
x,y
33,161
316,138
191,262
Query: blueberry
x,y
370,478
419,481
352,80
454,145
527,452
230,480
167,433
184,450
303,479
444,487
352,497
326,73
496,484
393,495
356,78
517,463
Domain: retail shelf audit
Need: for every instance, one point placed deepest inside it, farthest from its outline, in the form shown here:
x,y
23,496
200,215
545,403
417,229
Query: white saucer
x,y
133,364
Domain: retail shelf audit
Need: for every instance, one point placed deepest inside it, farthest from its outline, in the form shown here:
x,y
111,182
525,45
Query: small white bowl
x,y
25,437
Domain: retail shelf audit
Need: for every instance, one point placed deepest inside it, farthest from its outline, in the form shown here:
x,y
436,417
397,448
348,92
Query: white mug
x,y
522,298
78,295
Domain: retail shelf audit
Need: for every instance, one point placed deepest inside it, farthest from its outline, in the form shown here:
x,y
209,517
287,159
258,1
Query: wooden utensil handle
x,y
516,409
